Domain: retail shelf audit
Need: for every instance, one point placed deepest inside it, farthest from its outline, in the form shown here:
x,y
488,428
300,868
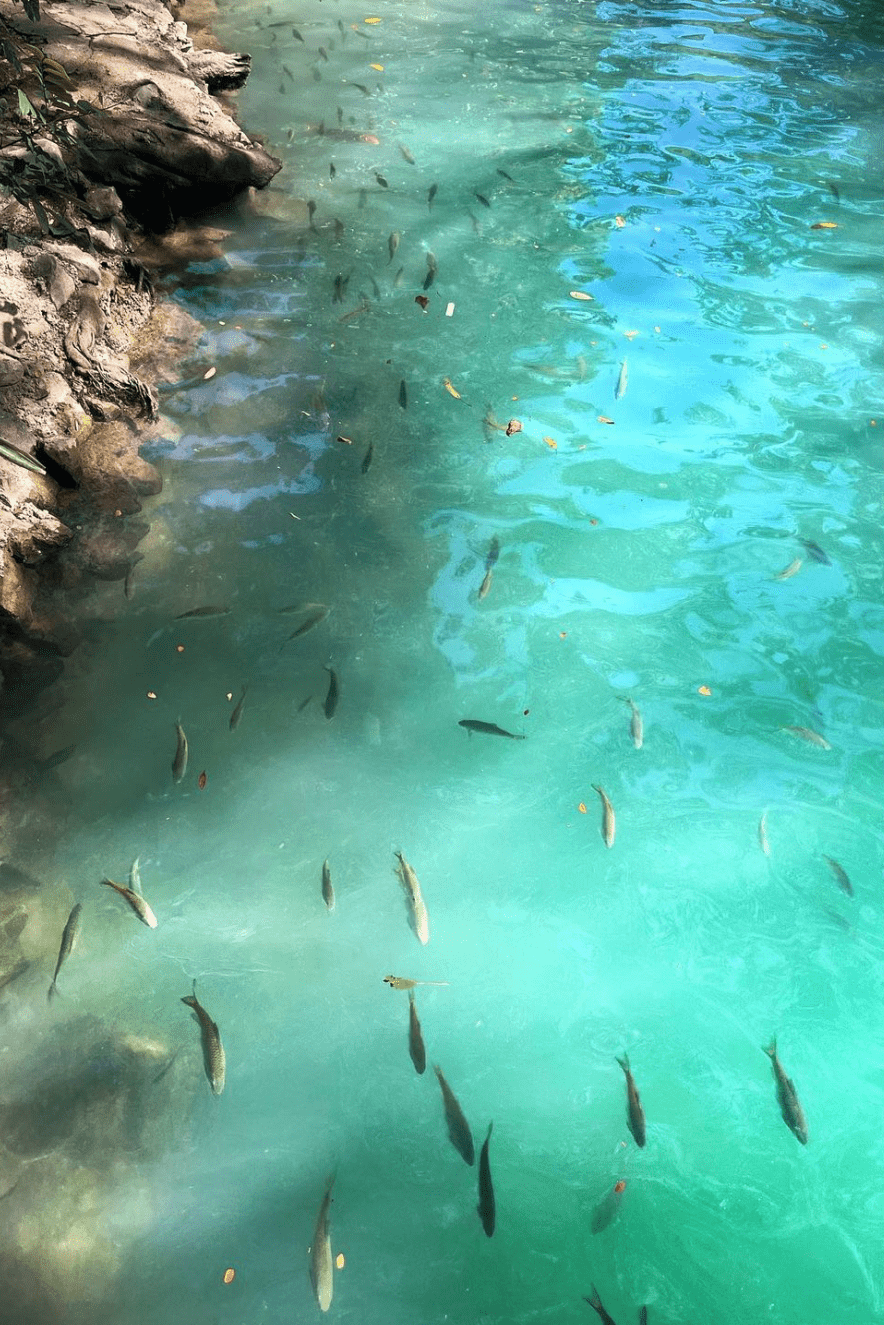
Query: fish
x,y
393,243
328,892
762,834
403,395
401,982
331,170
380,179
338,294
202,612
129,582
135,900
237,712
415,1039
135,876
179,763
431,193
57,757
311,211
318,613
407,155
485,585
432,264
202,780
367,458
482,199
643,1316
323,52
596,1303
408,878
397,279
792,569
20,458
805,734
486,1207
321,1264
622,381
493,553
840,875
787,1097
489,728
635,1114
331,699
339,229
833,189
505,175
609,819
69,936
214,1060
636,726
459,1132
296,34
607,1209
167,1067
815,552
429,278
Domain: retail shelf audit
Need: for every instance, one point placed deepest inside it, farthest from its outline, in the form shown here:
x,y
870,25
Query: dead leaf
x,y
229,696
229,1275
372,20
553,446
630,335
603,419
369,138
422,300
580,294
450,389
513,426
179,648
703,690
151,694
449,310
563,634
340,1262
825,225
202,779
347,441
619,222
379,67
582,808
211,373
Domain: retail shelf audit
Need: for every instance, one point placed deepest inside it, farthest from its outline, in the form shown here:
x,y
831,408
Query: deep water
x,y
674,162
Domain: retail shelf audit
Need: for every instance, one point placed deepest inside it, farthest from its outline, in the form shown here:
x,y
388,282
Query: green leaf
x,y
24,106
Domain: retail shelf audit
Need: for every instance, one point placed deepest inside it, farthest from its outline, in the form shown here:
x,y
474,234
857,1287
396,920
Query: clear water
x,y
637,558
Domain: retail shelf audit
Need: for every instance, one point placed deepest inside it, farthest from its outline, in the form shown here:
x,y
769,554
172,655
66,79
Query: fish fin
x,y
490,1129
770,1049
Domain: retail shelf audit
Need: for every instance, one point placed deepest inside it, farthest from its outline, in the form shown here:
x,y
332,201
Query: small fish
x,y
339,287
458,1128
488,728
135,900
179,763
331,699
303,704
296,34
328,892
129,582
166,1068
805,734
485,586
323,53
393,243
321,1265
20,458
609,820
362,199
792,569
202,612
505,175
331,170
339,229
432,264
397,279
135,876
636,726
840,875
237,712
477,229
415,1039
635,1114
762,834
406,154
380,179
214,1061
311,211
401,982
482,199
202,780
319,613
622,381
815,552
367,459
429,278
69,937
486,1207
596,1303
493,553
787,1098
409,881
403,395
833,189
608,1208
431,193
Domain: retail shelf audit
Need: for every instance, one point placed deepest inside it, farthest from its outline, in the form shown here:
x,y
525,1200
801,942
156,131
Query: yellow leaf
x,y
550,443
450,389
704,690
372,20
630,335
229,1275
825,225
579,294
379,67
339,1261
582,808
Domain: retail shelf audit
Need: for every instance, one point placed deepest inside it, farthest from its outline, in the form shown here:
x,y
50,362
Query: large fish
x,y
486,1190
458,1128
635,1114
415,1038
608,1208
68,939
609,819
328,892
135,900
420,919
787,1097
596,1303
214,1060
179,763
489,728
334,692
321,1264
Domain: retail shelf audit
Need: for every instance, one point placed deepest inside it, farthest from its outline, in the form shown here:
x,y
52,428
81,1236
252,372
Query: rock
x,y
59,283
102,203
83,264
12,370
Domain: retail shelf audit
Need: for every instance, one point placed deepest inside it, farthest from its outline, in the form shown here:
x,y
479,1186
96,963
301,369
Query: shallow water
x,y
671,164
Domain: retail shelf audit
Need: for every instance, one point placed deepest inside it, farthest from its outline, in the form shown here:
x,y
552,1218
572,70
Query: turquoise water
x,y
672,164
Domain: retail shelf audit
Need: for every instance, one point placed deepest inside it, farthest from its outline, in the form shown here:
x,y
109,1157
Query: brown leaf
x,y
513,426
553,446
422,300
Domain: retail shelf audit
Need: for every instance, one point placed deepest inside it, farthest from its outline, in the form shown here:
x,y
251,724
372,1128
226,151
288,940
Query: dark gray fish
x,y
135,900
429,278
376,289
505,175
331,170
397,279
787,1097
167,1067
202,612
331,699
815,552
286,70
362,199
432,264
311,211
635,1114
340,116
840,874
323,53
380,179
68,939
321,1264
486,1206
339,230
393,243
415,1038
129,582
596,1303
482,199
319,613
179,763
303,704
643,1316
431,193
328,892
458,1128
237,712
339,289
20,458
367,459
493,554
608,1208
56,758
296,34
214,1060
403,395
488,728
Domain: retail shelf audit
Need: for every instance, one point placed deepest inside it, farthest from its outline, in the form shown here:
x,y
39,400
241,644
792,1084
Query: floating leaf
x,y
151,694
553,446
422,300
339,1261
630,335
580,294
563,634
818,225
347,441
450,389
379,67
369,138
372,20
619,222
513,426
603,419
230,1273
703,690
449,311
201,782
211,373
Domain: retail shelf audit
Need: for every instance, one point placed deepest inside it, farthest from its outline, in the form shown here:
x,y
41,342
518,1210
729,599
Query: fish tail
x,y
52,992
490,1129
190,1001
770,1049
595,1301
624,1062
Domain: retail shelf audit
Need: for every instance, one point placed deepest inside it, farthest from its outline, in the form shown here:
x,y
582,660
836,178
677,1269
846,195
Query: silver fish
x,y
762,834
840,874
68,939
135,876
214,1060
458,1128
321,1264
787,1097
636,726
635,1114
622,382
237,712
135,900
412,888
609,819
393,243
792,569
328,892
806,734
179,763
